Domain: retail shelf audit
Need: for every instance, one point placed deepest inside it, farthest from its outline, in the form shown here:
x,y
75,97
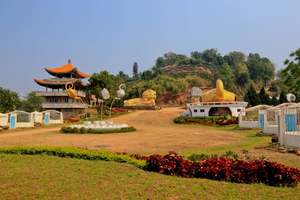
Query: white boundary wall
x,y
3,119
37,116
288,136
57,120
247,124
28,124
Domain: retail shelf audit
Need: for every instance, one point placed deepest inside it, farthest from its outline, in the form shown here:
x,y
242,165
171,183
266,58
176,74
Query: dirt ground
x,y
156,133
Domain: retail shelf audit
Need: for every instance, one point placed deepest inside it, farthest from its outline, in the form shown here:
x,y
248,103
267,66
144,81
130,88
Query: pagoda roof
x,y
66,71
57,83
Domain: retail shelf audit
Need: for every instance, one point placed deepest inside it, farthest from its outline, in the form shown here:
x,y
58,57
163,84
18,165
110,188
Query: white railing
x,y
222,103
59,93
63,105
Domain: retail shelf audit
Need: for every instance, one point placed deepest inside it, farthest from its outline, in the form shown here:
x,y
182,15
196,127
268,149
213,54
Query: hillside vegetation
x,y
176,73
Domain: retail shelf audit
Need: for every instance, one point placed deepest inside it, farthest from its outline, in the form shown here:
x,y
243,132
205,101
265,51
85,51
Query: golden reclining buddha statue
x,y
218,94
148,99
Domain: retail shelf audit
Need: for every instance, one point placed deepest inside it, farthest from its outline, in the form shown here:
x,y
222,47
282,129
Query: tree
x,y
9,100
225,74
147,75
31,102
265,99
196,55
157,72
169,57
260,68
292,72
236,57
135,69
160,62
100,81
282,97
252,97
243,79
274,101
273,87
124,76
209,55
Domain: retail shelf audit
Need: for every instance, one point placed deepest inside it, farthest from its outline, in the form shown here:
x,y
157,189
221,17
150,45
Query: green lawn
x,y
49,177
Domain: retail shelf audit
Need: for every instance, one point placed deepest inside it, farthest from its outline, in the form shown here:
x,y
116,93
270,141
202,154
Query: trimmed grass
x,y
50,177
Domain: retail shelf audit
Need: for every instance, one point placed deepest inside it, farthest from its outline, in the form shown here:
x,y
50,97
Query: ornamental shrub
x,y
82,130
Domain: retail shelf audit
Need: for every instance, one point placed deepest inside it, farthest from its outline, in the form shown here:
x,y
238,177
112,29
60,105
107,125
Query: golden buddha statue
x,y
148,99
218,94
71,92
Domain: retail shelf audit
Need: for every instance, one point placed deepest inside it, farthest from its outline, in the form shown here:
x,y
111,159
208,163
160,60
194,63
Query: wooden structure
x,y
56,96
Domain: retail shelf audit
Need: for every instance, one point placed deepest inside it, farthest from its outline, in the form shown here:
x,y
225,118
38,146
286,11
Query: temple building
x,y
215,102
56,97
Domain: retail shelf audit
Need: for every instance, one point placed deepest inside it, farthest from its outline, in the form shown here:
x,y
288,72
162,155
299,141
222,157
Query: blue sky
x,y
111,35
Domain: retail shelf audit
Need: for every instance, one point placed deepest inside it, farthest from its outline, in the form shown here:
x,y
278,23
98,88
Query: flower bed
x,y
227,122
224,169
73,120
82,130
207,123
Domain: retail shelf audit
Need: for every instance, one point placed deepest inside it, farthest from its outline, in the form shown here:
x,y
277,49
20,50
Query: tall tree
x,y
135,70
292,72
274,101
282,97
9,100
265,99
252,97
31,102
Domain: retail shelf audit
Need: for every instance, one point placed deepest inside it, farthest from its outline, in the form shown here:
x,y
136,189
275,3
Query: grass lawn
x,y
49,177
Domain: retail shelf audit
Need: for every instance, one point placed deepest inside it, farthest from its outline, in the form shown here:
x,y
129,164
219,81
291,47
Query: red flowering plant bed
x,y
227,122
207,123
117,110
223,169
73,120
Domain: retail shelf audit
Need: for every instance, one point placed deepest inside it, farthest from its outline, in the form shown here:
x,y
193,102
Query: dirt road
x,y
156,133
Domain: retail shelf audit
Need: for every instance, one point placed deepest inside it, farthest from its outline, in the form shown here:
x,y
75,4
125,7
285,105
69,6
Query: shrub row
x,y
210,119
220,168
224,169
83,130
73,152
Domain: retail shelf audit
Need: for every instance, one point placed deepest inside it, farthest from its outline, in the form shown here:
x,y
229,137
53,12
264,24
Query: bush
x,y
82,130
226,169
74,152
209,119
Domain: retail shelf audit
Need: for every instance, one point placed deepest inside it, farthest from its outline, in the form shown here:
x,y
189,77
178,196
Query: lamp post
x,y
120,94
105,95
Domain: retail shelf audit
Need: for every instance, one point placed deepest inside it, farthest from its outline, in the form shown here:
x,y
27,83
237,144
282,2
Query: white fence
x,y
3,119
22,119
289,127
283,120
